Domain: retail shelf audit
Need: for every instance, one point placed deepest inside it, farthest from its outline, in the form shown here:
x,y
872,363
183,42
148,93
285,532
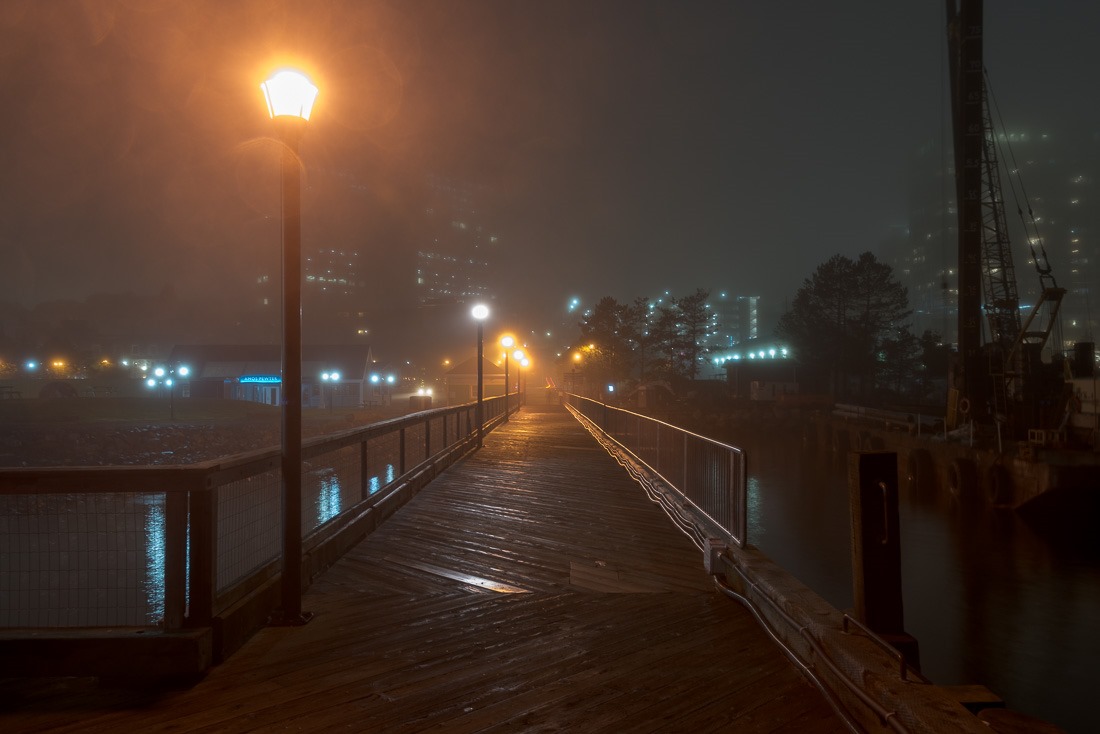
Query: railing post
x,y
743,500
364,470
684,464
204,555
427,439
401,451
175,559
657,447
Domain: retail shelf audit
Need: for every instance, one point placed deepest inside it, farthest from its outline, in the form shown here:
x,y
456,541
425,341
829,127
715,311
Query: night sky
x,y
630,146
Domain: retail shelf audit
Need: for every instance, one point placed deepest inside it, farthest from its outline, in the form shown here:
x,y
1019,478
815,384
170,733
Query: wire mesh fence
x,y
155,546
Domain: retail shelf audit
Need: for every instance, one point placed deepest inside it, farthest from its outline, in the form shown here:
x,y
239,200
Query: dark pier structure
x,y
533,586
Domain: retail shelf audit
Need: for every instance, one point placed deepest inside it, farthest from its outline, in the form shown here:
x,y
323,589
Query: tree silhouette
x,y
847,325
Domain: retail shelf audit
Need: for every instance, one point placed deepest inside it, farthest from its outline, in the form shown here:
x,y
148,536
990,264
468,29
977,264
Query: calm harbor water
x,y
994,597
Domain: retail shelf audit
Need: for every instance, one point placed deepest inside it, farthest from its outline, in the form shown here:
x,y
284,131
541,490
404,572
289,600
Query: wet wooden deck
x,y
532,587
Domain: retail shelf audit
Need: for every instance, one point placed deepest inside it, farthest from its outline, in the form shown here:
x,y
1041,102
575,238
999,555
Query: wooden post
x,y
401,451
204,554
175,560
876,549
364,470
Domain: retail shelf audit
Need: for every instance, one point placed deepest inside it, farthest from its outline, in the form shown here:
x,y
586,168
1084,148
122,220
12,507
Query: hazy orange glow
x,y
289,93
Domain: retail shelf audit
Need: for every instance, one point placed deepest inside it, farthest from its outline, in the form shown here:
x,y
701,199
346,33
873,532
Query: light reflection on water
x,y
376,482
153,583
331,496
991,596
329,499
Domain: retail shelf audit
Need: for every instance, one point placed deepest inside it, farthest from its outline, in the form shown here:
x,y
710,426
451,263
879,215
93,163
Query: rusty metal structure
x,y
1000,378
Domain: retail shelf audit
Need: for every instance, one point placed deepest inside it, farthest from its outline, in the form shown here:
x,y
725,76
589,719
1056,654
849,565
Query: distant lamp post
x,y
521,363
166,377
327,379
576,361
507,342
480,312
183,372
290,96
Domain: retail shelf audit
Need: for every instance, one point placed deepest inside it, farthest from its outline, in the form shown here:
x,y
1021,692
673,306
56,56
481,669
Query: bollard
x,y
876,549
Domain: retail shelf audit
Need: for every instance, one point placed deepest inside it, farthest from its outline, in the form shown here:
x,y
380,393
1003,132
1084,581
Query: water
x,y
999,598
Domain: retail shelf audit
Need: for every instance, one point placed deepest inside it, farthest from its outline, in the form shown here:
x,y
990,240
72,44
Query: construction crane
x,y
1001,377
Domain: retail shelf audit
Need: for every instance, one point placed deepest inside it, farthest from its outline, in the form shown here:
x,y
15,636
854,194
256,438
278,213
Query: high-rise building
x,y
1049,184
734,319
336,296
456,262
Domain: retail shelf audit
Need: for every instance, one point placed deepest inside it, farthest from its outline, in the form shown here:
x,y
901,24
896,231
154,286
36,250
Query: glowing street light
x,y
166,376
480,312
290,96
289,93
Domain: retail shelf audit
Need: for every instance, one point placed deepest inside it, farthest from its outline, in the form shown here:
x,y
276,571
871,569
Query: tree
x,y
605,341
639,333
844,318
694,317
665,341
676,335
899,357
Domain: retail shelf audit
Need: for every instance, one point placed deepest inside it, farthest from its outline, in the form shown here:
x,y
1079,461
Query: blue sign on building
x,y
265,379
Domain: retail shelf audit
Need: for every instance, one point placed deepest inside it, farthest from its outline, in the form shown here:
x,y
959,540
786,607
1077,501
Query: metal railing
x,y
175,546
711,476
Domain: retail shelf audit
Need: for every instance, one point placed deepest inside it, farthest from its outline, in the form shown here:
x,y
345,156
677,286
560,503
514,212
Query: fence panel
x,y
710,475
98,547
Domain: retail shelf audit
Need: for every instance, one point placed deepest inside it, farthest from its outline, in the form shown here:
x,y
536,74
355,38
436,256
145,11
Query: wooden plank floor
x,y
532,587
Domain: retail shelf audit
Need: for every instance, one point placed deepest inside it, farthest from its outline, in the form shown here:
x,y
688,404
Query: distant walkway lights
x,y
507,342
290,96
480,312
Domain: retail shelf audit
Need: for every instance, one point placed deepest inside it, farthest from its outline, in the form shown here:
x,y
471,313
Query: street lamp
x,y
480,312
521,362
290,96
576,361
507,342
167,377
330,378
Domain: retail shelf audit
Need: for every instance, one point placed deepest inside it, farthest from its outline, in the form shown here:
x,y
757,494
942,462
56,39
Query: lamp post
x,y
521,363
507,342
330,378
290,96
167,376
480,312
576,361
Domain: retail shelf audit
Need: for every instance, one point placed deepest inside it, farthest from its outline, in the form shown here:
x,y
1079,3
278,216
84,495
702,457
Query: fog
x,y
622,147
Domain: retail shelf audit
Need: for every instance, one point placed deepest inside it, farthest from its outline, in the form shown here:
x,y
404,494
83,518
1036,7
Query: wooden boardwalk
x,y
532,587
